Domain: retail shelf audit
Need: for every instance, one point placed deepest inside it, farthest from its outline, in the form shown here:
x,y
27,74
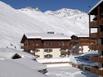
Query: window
x,y
47,50
48,56
94,30
37,56
63,52
102,53
101,28
62,49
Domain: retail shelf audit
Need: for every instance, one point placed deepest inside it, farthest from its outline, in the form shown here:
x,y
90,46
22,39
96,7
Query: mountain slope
x,y
14,23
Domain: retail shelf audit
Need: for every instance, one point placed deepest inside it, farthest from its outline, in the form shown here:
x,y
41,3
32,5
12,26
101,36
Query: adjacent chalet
x,y
96,32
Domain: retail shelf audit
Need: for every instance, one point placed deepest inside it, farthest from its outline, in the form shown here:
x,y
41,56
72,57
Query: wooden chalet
x,y
97,24
33,41
44,41
50,43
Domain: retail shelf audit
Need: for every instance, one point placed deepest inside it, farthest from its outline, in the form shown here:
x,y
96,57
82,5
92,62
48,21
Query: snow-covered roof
x,y
46,36
9,68
95,6
82,35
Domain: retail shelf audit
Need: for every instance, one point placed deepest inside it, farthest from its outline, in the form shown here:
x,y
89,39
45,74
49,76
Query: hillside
x,y
14,23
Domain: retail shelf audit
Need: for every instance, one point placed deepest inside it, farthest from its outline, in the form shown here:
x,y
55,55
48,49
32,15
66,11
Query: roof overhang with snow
x,y
45,36
93,9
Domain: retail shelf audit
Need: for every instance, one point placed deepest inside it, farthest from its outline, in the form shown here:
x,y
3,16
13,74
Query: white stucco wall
x,y
55,52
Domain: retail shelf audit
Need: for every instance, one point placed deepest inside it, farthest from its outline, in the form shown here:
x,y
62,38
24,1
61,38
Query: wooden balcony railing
x,y
95,24
97,59
93,47
94,35
100,34
101,21
97,71
96,47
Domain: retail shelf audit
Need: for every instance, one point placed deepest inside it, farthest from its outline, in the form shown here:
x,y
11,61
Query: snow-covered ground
x,y
10,68
76,59
27,66
24,59
68,71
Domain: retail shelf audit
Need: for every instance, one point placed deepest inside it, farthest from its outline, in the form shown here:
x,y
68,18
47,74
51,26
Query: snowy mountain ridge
x,y
14,23
64,12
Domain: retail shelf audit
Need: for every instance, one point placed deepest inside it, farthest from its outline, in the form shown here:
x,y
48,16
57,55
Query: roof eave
x,y
95,6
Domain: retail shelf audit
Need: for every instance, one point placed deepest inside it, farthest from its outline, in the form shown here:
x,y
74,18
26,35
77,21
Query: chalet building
x,y
51,45
96,32
46,45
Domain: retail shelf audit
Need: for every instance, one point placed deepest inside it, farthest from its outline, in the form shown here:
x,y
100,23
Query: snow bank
x,y
10,68
31,64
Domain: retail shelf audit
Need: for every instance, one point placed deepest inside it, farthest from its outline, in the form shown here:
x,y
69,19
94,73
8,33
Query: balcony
x,y
93,47
97,71
98,59
100,34
96,47
94,24
94,35
101,22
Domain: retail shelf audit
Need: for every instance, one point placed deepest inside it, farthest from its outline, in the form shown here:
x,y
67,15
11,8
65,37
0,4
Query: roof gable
x,y
44,36
95,6
23,38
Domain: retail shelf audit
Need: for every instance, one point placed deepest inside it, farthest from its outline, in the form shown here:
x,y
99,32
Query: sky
x,y
44,5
